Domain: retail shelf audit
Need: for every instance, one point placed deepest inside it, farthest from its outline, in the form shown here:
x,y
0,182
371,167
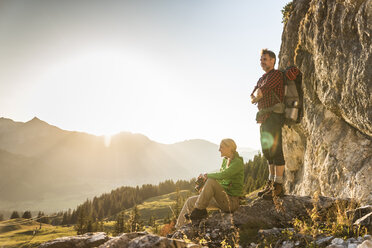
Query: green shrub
x,y
287,11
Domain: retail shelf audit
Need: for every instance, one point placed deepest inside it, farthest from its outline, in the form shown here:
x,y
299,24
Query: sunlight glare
x,y
107,140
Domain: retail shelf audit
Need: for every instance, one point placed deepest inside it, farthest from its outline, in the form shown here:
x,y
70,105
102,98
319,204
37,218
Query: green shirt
x,y
231,178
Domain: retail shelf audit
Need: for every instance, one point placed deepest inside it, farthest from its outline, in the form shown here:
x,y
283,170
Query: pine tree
x,y
134,221
65,219
101,227
90,225
151,221
27,215
39,216
80,226
256,173
42,218
14,215
177,205
120,224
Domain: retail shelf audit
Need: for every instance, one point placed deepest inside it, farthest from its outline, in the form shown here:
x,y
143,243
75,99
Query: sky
x,y
172,70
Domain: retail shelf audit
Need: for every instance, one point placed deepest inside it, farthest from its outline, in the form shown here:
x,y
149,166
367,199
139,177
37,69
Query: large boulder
x,y
330,151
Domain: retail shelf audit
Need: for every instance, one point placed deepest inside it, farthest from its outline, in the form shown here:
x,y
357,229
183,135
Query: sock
x,y
271,177
278,179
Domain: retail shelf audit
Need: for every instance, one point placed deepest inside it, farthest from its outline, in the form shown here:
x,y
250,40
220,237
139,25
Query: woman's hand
x,y
205,175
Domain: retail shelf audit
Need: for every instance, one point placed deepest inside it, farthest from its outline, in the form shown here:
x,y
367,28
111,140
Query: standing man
x,y
268,92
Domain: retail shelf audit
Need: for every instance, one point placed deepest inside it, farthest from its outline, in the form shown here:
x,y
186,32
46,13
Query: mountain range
x,y
43,167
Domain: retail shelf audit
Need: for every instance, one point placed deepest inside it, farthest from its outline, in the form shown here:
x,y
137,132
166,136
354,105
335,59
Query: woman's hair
x,y
229,143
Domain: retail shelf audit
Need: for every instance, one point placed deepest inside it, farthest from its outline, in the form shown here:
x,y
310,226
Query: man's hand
x,y
258,96
253,99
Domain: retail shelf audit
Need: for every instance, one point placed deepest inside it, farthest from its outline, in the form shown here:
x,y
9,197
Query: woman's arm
x,y
233,169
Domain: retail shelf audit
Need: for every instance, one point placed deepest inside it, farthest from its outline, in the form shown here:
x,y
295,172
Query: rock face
x,y
330,151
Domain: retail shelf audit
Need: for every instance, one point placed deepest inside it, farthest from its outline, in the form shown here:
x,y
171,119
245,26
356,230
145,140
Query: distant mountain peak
x,y
36,120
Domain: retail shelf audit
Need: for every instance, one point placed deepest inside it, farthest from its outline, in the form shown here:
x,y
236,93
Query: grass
x,y
158,207
337,223
27,233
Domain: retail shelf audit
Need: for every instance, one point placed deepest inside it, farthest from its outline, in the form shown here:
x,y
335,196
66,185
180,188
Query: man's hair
x,y
270,53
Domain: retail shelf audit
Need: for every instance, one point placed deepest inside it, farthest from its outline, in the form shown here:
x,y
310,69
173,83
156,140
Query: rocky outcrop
x,y
126,240
330,151
88,240
288,238
261,221
273,216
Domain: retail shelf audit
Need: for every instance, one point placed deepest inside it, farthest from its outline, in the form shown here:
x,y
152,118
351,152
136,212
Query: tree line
x,y
90,215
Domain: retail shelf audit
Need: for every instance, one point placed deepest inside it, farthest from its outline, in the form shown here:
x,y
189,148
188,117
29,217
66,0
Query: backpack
x,y
293,100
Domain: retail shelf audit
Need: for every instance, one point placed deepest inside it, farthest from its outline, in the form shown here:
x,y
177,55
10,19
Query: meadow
x,y
29,233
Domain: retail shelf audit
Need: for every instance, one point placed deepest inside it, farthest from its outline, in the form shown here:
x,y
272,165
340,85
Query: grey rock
x,y
264,214
145,240
366,244
367,237
122,240
271,232
352,245
338,241
288,244
351,240
126,240
324,241
87,240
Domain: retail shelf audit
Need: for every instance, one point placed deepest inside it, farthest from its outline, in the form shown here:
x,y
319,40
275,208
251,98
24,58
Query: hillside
x,y
159,206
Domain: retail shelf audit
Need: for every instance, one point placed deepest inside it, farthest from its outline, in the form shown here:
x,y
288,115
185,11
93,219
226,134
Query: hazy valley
x,y
46,168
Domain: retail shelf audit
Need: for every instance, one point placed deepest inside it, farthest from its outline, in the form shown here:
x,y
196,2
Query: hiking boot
x,y
198,214
278,191
268,187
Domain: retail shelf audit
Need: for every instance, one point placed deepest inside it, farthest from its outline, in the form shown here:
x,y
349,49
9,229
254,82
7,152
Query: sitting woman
x,y
221,190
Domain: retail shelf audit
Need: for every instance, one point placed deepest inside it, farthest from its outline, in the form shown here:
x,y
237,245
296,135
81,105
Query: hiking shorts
x,y
271,139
